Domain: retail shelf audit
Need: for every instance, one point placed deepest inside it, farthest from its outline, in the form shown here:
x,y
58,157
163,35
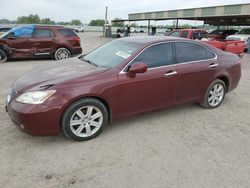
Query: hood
x,y
240,36
55,73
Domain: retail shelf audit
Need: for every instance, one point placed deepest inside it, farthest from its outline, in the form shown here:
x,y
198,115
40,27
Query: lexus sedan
x,y
124,77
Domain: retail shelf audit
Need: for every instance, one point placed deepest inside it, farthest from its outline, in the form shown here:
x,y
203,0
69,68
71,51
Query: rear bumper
x,y
76,51
36,120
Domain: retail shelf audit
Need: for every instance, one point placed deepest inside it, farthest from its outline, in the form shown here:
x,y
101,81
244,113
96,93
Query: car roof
x,y
190,30
150,39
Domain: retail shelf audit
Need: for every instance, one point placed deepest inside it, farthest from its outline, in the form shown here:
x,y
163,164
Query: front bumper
x,y
37,120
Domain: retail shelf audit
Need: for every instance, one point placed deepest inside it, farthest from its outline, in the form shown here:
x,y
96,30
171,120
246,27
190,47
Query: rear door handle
x,y
213,65
172,73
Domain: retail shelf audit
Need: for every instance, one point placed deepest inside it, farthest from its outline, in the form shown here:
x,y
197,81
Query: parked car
x,y
4,29
243,35
189,33
236,47
233,46
124,77
36,41
79,29
221,34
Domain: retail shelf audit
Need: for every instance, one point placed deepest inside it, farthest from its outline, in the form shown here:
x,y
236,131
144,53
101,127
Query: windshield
x,y
111,54
19,31
244,31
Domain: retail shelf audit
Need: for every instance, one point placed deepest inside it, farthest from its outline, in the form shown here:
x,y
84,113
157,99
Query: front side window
x,y
40,33
187,52
20,32
174,34
156,56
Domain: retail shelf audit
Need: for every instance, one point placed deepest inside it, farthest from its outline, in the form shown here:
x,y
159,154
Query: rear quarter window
x,y
187,52
68,32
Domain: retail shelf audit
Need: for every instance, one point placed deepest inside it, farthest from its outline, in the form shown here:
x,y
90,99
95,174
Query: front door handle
x,y
172,73
213,65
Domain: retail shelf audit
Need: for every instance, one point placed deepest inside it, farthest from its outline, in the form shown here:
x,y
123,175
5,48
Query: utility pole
x,y
106,21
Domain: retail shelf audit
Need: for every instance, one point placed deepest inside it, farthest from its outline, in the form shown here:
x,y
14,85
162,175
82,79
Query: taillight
x,y
77,39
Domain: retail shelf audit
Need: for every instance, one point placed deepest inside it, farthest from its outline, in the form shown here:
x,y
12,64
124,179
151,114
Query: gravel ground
x,y
186,146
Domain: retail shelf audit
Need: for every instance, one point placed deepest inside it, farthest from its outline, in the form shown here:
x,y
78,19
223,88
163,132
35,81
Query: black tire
x,y
220,96
70,114
62,53
3,56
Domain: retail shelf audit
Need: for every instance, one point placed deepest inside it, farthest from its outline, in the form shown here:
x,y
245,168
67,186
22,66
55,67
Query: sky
x,y
86,10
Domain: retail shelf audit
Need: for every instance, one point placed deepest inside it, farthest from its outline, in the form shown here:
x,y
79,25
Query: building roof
x,y
236,14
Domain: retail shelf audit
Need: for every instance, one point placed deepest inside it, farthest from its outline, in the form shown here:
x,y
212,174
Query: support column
x,y
177,23
148,27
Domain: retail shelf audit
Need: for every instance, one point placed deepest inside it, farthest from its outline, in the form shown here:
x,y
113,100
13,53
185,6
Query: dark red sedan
x,y
121,78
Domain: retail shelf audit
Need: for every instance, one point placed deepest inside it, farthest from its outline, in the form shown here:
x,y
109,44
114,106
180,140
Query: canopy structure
x,y
235,15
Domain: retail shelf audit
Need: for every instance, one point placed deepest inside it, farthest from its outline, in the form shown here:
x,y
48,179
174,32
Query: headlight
x,y
35,97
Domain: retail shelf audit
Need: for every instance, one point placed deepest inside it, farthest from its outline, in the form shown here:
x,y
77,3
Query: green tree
x,y
31,19
98,22
6,21
118,23
47,21
63,23
185,26
76,22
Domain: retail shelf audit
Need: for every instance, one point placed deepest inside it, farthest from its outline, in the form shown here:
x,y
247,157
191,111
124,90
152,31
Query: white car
x,y
243,34
79,29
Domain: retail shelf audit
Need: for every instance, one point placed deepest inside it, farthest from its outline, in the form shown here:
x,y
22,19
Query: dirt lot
x,y
186,146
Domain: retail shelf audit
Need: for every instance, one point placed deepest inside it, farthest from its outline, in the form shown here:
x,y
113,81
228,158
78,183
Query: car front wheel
x,y
62,53
214,95
84,119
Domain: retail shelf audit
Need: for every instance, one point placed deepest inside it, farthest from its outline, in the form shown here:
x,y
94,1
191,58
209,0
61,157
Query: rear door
x,y
197,66
43,41
153,89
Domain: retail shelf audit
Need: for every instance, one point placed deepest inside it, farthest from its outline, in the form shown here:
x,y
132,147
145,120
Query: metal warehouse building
x,y
237,15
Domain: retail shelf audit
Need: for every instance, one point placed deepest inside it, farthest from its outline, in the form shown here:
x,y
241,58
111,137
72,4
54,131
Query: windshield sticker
x,y
123,54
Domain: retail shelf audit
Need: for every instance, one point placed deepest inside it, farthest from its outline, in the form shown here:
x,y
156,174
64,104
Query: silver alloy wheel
x,y
216,95
63,54
86,121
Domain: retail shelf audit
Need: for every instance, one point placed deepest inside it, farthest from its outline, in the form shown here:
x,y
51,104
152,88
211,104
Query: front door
x,y
20,43
153,89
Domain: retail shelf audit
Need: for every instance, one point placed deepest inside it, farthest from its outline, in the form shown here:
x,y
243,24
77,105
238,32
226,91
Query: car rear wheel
x,y
3,56
214,95
84,119
62,53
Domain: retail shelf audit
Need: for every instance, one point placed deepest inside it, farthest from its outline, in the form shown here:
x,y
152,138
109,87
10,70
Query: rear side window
x,y
187,52
156,56
40,33
68,32
199,35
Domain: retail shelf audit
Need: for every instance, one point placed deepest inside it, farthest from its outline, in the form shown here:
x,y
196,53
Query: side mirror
x,y
138,67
